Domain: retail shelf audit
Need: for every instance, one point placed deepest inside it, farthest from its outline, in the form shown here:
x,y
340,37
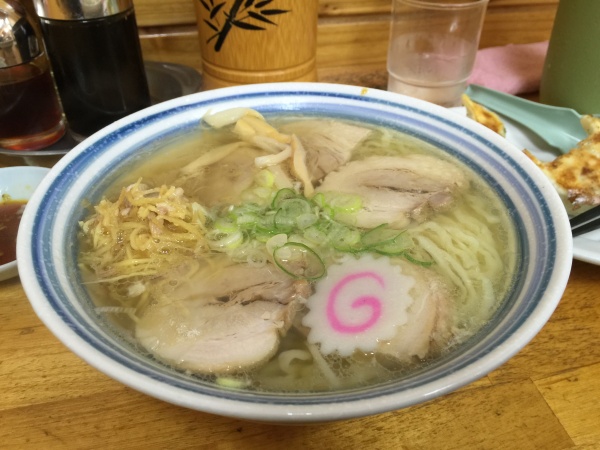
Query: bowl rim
x,y
332,410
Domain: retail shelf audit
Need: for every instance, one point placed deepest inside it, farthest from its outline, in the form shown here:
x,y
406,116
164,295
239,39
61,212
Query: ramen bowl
x,y
48,249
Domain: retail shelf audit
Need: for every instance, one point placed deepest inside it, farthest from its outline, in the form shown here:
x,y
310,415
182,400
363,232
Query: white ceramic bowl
x,y
47,249
19,183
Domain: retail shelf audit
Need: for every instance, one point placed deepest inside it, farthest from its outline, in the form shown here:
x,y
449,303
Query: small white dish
x,y
19,183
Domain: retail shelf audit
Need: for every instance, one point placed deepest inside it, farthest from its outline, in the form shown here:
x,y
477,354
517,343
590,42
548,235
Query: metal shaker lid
x,y
19,42
80,9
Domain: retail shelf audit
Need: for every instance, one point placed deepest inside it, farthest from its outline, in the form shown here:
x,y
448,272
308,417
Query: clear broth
x,y
359,369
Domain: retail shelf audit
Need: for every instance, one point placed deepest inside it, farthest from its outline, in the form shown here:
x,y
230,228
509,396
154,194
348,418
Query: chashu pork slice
x,y
241,283
221,322
396,190
428,324
213,337
221,175
328,143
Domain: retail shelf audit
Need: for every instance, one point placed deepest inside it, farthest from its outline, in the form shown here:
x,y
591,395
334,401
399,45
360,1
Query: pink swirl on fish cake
x,y
359,304
370,301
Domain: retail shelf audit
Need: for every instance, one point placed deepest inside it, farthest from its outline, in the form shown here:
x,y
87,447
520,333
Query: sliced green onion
x,y
315,235
345,203
262,192
299,261
319,200
264,236
282,194
378,235
346,218
279,240
413,260
386,241
327,211
306,220
247,220
264,178
266,223
289,210
283,222
292,229
345,239
397,246
295,206
232,383
225,241
225,226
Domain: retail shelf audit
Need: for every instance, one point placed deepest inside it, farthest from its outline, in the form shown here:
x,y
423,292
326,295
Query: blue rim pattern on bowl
x,y
413,118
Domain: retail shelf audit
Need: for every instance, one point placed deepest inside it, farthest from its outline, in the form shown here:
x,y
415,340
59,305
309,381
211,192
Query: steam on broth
x,y
298,254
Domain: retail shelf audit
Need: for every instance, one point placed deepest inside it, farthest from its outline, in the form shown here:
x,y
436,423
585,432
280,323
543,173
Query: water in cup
x,y
432,67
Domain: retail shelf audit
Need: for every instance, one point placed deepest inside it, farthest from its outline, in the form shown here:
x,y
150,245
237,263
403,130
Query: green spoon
x,y
559,127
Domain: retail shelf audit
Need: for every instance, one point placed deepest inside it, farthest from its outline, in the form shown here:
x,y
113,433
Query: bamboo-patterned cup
x,y
257,41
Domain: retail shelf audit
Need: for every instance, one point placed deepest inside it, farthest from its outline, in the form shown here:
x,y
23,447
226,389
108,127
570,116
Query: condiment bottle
x,y
95,52
31,116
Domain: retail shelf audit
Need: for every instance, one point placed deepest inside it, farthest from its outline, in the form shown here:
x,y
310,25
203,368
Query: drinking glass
x,y
432,47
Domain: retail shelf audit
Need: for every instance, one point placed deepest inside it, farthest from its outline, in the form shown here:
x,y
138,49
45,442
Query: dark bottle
x,y
31,116
96,58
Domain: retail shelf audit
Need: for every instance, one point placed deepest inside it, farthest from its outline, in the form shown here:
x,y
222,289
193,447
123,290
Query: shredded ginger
x,y
145,233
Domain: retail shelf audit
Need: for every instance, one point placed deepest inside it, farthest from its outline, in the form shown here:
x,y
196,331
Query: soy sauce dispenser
x,y
94,49
31,116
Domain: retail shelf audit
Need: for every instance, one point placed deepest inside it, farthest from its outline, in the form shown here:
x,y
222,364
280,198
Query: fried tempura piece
x,y
576,174
483,115
591,124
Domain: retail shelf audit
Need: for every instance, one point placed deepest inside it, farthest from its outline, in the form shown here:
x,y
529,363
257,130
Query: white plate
x,y
586,247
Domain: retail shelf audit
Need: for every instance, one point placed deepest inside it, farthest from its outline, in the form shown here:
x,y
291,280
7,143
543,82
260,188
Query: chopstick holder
x,y
586,222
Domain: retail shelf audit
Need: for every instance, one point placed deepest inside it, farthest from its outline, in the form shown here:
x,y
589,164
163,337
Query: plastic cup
x,y
432,47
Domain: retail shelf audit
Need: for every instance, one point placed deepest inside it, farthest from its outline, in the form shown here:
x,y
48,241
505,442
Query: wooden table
x,y
546,397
